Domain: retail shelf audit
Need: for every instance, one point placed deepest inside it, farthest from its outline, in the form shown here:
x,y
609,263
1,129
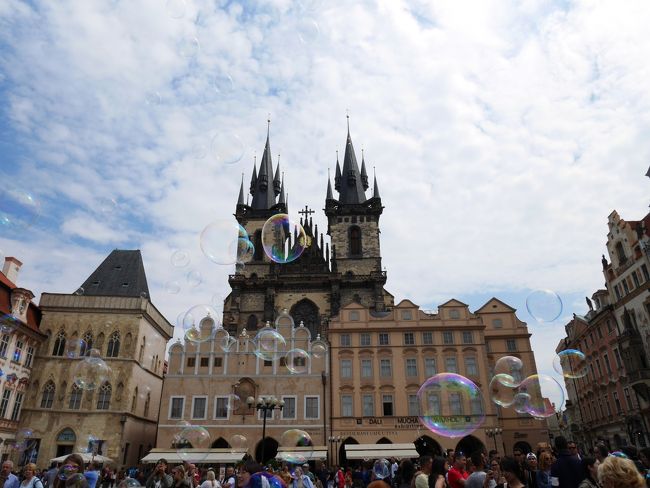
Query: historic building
x,y
361,390
110,312
20,338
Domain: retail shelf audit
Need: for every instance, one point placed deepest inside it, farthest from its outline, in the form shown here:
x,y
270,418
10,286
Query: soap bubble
x,y
536,386
194,278
226,242
284,320
189,47
296,446
297,361
175,8
283,239
308,31
318,349
381,469
223,84
24,439
172,287
233,403
75,348
227,148
512,367
91,372
571,363
129,483
8,323
180,258
500,390
238,442
74,480
520,403
544,305
153,98
19,210
200,323
189,439
107,205
450,405
269,344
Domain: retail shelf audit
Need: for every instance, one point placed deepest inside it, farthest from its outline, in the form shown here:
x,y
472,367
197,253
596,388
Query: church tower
x,y
353,226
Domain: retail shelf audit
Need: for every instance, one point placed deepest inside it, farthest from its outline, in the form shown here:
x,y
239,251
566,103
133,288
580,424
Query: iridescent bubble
x,y
194,278
500,390
19,210
180,258
91,372
308,31
284,320
297,361
75,348
8,323
540,388
233,403
238,442
381,469
175,8
24,439
512,367
74,479
269,344
107,205
223,84
520,403
228,344
189,47
318,349
571,363
544,305
172,287
200,323
283,239
227,148
191,438
296,446
128,483
450,405
226,242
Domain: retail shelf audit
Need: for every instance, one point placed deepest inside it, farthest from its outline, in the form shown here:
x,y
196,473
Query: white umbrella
x,y
86,456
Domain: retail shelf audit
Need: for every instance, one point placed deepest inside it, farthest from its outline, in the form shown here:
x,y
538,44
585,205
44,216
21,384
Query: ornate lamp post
x,y
493,433
334,442
264,404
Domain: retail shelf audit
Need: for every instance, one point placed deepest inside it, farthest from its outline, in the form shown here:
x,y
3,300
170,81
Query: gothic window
x,y
251,323
307,312
355,241
134,400
620,253
87,344
104,398
113,348
141,354
258,254
48,395
59,344
75,397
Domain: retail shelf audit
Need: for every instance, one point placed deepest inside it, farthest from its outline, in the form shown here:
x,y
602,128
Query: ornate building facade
x,y
110,312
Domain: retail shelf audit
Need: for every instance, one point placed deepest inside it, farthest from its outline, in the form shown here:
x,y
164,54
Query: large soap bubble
x,y
189,440
540,388
269,344
91,372
200,323
571,363
226,242
451,405
544,305
297,361
500,392
297,446
512,367
283,239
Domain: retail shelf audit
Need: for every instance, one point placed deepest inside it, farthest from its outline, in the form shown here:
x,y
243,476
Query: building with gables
x,y
110,312
20,338
362,390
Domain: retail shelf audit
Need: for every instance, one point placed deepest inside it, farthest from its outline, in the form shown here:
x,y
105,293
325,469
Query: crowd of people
x,y
563,467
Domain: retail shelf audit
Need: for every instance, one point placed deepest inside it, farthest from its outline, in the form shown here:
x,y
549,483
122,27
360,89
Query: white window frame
x,y
346,376
365,343
29,356
171,404
4,345
347,342
295,407
361,365
428,373
305,407
392,403
427,342
363,404
409,338
412,397
205,410
408,363
270,415
216,403
351,413
382,335
18,351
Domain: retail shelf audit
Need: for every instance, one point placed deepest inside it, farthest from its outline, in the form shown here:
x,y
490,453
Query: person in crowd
x,y
322,473
285,474
308,473
7,478
437,474
30,480
493,456
92,474
404,474
50,475
300,479
601,452
618,472
477,478
566,472
511,470
393,469
180,477
520,457
543,476
458,474
210,480
159,478
422,478
590,473
71,466
230,480
494,477
531,470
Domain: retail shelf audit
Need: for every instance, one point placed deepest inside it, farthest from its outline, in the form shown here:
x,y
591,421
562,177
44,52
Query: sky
x,y
502,133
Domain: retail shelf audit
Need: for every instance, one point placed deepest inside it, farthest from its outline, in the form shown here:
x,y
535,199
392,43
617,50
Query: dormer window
x,y
96,283
125,285
118,267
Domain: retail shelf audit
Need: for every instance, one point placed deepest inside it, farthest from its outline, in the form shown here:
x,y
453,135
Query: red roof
x,y
33,312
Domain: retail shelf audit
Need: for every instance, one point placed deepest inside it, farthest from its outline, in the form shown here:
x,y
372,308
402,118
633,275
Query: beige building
x,y
379,362
112,313
19,341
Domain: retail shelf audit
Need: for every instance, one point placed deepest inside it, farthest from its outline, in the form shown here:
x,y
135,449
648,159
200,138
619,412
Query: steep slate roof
x,y
264,191
120,274
351,188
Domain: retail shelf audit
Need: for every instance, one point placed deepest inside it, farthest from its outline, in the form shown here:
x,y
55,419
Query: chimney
x,y
11,268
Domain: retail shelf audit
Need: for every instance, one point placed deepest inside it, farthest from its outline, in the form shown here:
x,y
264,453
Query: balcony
x,y
8,424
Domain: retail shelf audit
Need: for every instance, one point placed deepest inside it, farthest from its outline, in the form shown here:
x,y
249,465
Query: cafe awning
x,y
302,454
379,451
196,456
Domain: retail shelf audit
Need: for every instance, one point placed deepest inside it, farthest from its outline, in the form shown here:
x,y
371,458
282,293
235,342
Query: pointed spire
x,y
364,175
277,184
375,193
337,175
281,199
240,200
329,196
254,176
351,191
264,196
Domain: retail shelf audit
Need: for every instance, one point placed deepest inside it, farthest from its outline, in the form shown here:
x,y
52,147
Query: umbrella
x,y
86,456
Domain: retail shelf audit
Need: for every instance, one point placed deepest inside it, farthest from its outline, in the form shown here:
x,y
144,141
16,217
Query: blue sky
x,y
503,133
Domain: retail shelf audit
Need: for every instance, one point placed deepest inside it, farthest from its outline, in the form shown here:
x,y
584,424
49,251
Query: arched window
x,y
59,344
355,241
48,395
620,253
134,400
141,354
104,398
306,311
113,348
75,397
87,344
146,405
258,254
251,323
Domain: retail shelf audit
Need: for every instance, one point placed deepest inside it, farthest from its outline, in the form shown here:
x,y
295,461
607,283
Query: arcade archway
x,y
270,450
427,446
470,444
342,458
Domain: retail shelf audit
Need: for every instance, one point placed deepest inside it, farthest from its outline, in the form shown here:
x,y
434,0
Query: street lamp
x,y
334,442
264,404
493,433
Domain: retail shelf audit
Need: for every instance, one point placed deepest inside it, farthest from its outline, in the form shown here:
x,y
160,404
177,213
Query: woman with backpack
x,y
30,480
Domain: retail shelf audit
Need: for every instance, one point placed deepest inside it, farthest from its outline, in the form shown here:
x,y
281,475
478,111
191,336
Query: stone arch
x,y
427,446
342,458
524,446
270,450
220,443
307,312
470,444
384,440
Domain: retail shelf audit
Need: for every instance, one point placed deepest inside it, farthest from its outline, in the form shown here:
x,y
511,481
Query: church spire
x,y
375,193
277,184
337,175
240,200
329,196
352,190
364,175
254,176
264,196
282,198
